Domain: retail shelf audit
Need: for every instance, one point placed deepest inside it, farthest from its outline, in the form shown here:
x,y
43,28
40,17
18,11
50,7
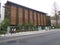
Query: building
x,y
19,15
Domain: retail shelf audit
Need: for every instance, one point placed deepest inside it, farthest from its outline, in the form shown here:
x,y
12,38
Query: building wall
x,y
19,15
41,19
38,19
31,19
35,23
44,20
26,16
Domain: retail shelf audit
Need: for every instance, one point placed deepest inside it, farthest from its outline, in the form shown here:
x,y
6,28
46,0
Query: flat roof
x,y
9,2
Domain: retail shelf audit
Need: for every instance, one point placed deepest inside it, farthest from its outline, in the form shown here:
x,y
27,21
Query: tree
x,y
55,9
5,23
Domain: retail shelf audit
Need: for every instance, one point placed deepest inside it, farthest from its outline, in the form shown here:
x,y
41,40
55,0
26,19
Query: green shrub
x,y
2,32
57,26
3,25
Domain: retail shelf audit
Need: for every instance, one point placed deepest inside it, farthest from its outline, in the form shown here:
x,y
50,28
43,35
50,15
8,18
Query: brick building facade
x,y
19,14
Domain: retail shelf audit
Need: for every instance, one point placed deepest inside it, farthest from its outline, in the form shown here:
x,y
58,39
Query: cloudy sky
x,y
40,5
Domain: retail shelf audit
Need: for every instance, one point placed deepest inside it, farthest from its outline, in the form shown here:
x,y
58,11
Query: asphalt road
x,y
48,38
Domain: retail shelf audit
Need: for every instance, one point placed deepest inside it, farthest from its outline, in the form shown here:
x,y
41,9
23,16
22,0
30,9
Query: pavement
x,y
44,37
25,33
22,33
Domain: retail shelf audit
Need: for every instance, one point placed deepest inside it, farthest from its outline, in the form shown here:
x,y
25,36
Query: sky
x,y
40,5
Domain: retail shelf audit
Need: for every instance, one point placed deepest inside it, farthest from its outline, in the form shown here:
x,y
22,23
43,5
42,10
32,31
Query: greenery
x,y
25,27
3,25
2,32
57,26
32,26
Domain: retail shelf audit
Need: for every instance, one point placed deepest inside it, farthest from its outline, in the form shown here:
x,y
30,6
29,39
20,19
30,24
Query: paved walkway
x,y
25,33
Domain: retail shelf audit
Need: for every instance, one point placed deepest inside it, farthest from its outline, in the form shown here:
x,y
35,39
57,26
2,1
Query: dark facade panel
x,y
44,20
31,19
17,17
28,16
38,19
35,18
41,19
23,15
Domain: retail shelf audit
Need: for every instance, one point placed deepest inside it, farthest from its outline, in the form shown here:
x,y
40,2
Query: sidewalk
x,y
24,33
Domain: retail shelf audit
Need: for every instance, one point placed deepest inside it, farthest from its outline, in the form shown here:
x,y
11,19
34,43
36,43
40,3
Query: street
x,y
47,38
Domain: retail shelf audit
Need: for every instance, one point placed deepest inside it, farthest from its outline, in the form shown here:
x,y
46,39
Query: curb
x,y
22,33
25,33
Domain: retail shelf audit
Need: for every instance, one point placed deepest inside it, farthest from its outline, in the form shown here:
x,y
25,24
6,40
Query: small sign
x,y
8,29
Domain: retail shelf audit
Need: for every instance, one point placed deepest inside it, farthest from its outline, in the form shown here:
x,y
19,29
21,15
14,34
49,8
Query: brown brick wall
x,y
41,16
20,15
13,15
26,16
